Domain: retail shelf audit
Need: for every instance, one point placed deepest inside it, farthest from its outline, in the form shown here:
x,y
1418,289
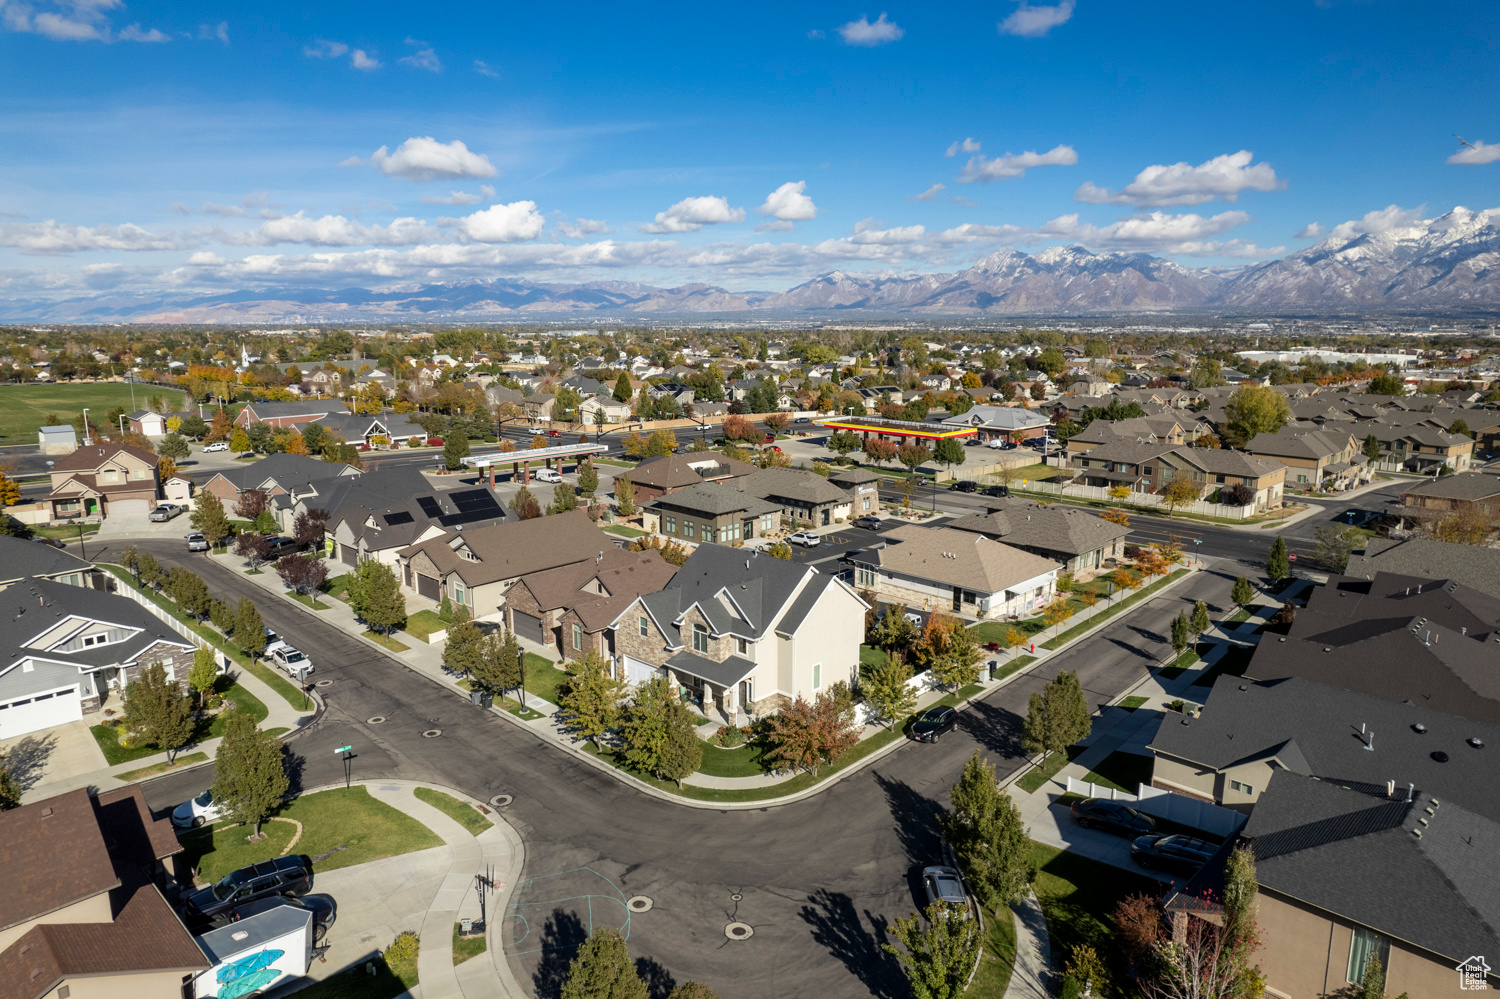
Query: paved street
x,y
819,878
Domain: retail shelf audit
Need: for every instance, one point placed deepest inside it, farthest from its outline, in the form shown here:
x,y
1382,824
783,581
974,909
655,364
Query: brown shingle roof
x,y
626,575
508,551
52,854
94,455
675,471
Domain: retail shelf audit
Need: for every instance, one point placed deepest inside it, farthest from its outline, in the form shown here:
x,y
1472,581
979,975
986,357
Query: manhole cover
x,y
501,800
738,931
638,903
736,897
375,721
324,683
432,733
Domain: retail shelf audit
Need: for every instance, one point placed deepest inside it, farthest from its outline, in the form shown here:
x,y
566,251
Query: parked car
x,y
1112,816
996,491
964,486
1178,854
773,447
998,444
806,539
945,886
197,543
868,523
273,642
769,438
802,419
934,723
49,542
554,433
281,876
164,512
216,446
323,907
546,475
291,659
194,813
280,546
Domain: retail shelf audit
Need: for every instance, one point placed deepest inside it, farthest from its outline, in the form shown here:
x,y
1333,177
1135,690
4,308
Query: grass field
x,y
1077,895
423,623
993,977
24,408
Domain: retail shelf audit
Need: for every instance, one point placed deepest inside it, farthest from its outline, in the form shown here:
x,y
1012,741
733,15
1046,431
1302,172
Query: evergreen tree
x,y
588,478
622,387
463,652
988,838
1243,593
209,518
1199,621
886,690
602,970
381,602
938,956
1278,566
1057,717
249,773
173,446
525,505
949,452
564,499
445,607
689,990
249,629
592,702
625,495
1372,448
157,711
1372,983
455,450
1182,632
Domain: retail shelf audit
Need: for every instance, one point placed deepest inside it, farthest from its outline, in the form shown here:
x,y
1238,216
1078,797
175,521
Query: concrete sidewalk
x,y
1029,975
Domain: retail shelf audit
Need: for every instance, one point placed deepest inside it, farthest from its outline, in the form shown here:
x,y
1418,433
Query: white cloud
x,y
870,33
360,60
423,158
1034,22
51,237
219,31
886,237
332,230
1157,232
504,223
1310,231
583,228
969,232
353,161
73,21
1476,153
486,192
815,34
223,211
967,146
930,193
1011,165
788,204
485,69
1222,177
692,214
324,49
134,33
423,58
1381,220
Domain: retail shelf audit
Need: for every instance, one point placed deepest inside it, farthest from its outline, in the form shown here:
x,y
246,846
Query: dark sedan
x,y
1177,854
933,723
323,907
282,876
1112,817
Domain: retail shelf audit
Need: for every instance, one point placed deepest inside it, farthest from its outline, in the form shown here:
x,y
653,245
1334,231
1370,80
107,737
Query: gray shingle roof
x,y
713,500
760,591
22,558
1054,529
1463,486
283,469
1469,565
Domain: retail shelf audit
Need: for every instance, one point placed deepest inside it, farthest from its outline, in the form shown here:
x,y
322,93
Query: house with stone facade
x,y
573,607
743,633
938,568
64,647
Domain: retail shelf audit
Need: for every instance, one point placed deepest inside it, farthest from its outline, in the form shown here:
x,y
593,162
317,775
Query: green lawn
x,y
1037,776
870,656
1131,703
348,821
1104,615
245,702
273,679
622,531
1077,895
543,678
277,732
466,948
63,532
27,406
742,761
1015,665
337,587
183,760
1121,771
993,976
1187,660
423,623
386,641
307,600
459,811
1243,614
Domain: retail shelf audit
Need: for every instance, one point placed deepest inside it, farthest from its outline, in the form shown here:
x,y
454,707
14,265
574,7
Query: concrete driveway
x,y
41,757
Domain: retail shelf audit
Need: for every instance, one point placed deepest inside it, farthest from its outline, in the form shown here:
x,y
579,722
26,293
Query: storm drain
x,y
638,903
739,931
375,721
432,733
324,683
501,800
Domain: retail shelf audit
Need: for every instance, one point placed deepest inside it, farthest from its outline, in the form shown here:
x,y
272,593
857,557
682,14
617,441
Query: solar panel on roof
x,y
392,519
472,499
429,506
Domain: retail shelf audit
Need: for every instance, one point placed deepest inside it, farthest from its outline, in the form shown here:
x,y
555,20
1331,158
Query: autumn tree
x,y
591,706
1179,491
913,455
624,495
302,573
879,450
1252,410
804,736
525,504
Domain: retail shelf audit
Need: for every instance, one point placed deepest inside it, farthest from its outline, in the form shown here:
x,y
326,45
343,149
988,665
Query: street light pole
x,y
85,425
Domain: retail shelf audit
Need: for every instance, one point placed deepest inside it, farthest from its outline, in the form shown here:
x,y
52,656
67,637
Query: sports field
x,y
24,408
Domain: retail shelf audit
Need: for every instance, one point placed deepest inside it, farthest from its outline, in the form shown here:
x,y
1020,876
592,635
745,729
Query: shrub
x,y
729,736
403,950
434,442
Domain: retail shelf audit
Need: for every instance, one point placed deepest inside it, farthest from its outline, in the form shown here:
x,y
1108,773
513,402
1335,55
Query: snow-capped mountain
x,y
1450,262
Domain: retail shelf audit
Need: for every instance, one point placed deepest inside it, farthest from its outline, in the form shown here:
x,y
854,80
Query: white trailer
x,y
255,953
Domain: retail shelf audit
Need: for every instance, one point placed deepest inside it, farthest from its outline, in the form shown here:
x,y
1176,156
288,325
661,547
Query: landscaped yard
x,y
742,761
1037,776
620,530
993,976
347,825
245,702
1104,615
28,406
308,600
1078,895
870,656
459,811
273,679
543,678
337,587
423,623
1131,703
1187,660
63,532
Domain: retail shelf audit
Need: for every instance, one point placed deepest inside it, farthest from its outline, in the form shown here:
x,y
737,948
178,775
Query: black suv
x,y
997,490
1178,854
964,485
933,723
282,876
1112,816
280,546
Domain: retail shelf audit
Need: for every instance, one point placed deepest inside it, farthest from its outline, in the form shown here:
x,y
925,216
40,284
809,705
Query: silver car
x,y
946,885
291,660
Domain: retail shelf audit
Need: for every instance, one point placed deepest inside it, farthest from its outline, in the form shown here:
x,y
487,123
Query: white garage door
x,y
32,714
637,672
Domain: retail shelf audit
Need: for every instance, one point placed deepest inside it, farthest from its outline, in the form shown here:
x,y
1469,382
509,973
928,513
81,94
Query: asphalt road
x,y
819,880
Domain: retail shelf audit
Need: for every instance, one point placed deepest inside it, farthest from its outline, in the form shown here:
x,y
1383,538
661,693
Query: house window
x,y
1235,785
765,522
645,626
1149,470
865,577
669,525
708,532
577,638
817,675
1363,945
866,503
460,591
700,638
688,527
741,647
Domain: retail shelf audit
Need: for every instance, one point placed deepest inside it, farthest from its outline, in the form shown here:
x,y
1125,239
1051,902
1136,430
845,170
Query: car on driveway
x,y
323,907
281,546
290,659
281,876
869,523
945,887
197,543
194,813
1112,817
164,512
546,475
807,539
934,723
769,438
964,485
1177,854
216,446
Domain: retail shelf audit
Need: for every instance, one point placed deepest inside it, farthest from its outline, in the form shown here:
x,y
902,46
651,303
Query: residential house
x,y
538,405
1001,422
656,476
1316,459
289,414
150,424
613,411
1468,565
66,646
103,479
809,498
21,560
371,524
741,632
1150,468
476,568
274,475
938,568
1450,493
1079,540
936,383
84,912
683,394
1416,448
323,381
370,430
571,608
1164,429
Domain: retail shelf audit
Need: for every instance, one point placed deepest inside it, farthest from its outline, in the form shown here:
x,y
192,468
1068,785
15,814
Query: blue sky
x,y
162,147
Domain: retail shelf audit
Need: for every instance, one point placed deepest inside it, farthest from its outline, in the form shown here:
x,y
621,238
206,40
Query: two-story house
x,y
743,633
1216,474
1315,459
1417,448
573,606
100,479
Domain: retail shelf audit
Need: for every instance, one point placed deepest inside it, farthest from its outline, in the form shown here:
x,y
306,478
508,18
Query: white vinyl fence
x,y
1101,493
1213,819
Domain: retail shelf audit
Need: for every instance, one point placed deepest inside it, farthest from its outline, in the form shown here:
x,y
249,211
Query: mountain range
x,y
1448,263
